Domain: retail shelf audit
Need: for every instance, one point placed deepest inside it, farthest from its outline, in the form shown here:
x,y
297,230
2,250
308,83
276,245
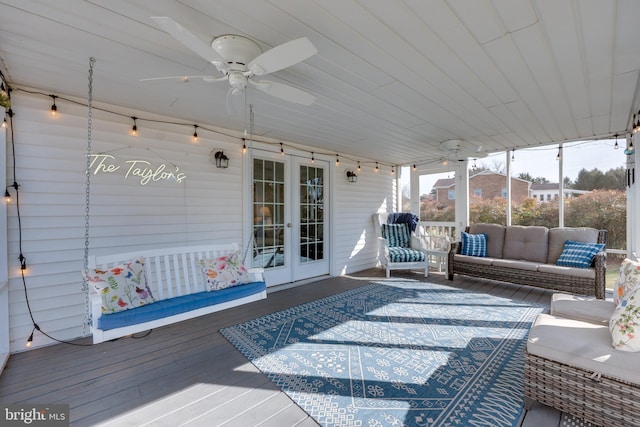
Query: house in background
x,y
392,82
485,184
548,191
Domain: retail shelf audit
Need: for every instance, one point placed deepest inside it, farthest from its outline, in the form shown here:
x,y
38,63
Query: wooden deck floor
x,y
187,373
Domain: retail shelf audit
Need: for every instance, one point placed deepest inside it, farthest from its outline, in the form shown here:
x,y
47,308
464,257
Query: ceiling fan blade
x,y
282,56
285,92
188,39
185,79
235,100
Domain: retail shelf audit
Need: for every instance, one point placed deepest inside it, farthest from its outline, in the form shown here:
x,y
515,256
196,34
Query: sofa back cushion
x,y
495,237
526,243
558,236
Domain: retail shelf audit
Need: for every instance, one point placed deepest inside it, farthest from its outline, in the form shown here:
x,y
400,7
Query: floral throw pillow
x,y
625,323
122,287
224,272
628,280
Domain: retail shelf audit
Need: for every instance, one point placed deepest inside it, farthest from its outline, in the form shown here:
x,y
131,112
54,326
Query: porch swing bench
x,y
166,286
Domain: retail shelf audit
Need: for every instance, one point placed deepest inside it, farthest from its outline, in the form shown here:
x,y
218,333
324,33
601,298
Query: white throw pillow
x,y
122,287
224,272
625,323
628,280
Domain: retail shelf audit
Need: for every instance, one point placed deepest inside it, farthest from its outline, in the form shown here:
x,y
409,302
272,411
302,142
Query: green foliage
x,y
601,209
595,179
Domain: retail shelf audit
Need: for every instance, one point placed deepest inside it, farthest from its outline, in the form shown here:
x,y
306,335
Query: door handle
x,y
288,225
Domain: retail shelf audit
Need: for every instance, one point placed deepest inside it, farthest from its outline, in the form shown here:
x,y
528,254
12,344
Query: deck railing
x,y
439,229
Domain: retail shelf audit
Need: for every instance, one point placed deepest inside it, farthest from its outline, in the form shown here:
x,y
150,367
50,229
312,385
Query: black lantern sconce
x,y
221,159
351,176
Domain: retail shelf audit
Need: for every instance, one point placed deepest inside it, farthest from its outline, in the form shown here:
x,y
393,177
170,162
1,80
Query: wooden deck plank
x,y
188,372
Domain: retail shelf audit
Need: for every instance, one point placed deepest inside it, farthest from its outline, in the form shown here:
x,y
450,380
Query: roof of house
x,y
449,182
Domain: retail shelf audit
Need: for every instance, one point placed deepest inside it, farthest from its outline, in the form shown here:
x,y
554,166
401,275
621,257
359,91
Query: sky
x,y
541,162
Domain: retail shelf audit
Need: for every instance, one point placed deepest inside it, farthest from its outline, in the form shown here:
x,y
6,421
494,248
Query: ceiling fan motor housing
x,y
236,50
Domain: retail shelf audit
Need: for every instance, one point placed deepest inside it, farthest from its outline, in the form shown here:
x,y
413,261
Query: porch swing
x,y
132,292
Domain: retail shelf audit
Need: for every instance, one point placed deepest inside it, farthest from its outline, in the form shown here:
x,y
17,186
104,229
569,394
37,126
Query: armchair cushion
x,y
397,235
397,254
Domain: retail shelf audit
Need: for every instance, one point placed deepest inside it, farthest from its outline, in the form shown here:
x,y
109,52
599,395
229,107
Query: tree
x,y
527,177
595,179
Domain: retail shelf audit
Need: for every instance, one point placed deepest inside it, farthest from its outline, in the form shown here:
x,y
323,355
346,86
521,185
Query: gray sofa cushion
x,y
582,344
473,259
580,307
587,273
495,237
515,263
557,237
526,243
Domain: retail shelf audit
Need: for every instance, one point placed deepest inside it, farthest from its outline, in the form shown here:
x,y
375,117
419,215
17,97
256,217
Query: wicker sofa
x,y
571,365
527,255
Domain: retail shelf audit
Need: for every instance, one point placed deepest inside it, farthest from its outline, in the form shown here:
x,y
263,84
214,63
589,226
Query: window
x,y
542,197
504,192
451,194
548,197
477,192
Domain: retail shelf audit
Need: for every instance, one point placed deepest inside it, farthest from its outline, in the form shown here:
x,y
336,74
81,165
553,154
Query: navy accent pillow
x,y
474,244
578,254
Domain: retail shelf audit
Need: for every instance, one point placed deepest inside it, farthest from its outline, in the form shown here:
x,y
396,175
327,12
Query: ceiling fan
x,y
240,59
459,149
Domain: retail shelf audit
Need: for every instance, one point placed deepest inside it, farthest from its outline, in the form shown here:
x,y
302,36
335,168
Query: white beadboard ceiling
x,y
393,79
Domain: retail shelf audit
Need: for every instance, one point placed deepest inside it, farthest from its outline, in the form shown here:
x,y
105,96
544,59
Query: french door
x,y
289,226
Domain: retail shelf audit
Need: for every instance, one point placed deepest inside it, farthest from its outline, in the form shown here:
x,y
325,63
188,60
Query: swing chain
x,y
85,284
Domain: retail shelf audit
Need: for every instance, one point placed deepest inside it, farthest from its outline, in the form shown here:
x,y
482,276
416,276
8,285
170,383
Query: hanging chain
x,y
85,284
250,239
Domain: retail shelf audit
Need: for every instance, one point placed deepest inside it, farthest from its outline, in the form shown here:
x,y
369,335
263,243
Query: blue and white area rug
x,y
397,354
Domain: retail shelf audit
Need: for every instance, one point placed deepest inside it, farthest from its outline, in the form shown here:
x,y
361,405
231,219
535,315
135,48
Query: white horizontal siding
x,y
355,244
124,215
128,216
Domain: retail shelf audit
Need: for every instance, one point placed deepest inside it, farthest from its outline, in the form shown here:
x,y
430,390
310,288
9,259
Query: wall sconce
x,y
219,158
351,176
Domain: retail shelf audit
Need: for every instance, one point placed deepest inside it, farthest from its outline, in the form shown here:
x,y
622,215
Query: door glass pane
x,y
311,189
268,213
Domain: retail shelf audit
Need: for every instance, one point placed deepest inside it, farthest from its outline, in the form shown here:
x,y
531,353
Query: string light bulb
x,y
4,123
377,168
195,134
337,160
414,167
244,146
616,146
393,170
513,155
281,149
54,107
359,166
558,156
134,128
636,125
313,159
30,339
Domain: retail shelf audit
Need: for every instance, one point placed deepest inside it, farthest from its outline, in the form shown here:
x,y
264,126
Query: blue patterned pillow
x,y
397,235
474,244
578,254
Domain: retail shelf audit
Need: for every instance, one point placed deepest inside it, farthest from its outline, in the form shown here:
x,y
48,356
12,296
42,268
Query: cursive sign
x,y
140,169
